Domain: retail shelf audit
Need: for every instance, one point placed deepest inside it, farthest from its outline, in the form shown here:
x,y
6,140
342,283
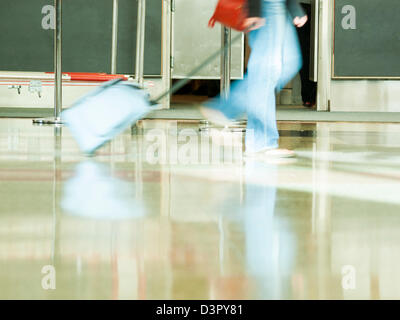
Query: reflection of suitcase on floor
x,y
104,113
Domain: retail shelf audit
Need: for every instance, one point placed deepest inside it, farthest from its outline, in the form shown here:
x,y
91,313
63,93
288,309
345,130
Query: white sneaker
x,y
275,153
280,153
215,116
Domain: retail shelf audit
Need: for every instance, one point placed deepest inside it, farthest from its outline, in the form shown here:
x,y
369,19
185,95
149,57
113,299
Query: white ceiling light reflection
x,y
94,193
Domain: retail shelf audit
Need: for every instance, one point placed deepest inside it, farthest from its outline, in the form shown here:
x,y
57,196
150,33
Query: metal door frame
x,y
325,20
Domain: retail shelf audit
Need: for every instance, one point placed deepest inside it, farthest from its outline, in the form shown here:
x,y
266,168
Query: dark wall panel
x,y
127,37
372,49
87,30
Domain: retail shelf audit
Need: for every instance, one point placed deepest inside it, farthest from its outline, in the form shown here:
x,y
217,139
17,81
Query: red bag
x,y
230,13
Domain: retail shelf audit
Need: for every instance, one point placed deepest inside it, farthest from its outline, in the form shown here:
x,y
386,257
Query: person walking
x,y
274,60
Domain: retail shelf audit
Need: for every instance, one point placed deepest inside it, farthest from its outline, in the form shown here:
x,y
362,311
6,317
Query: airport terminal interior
x,y
171,207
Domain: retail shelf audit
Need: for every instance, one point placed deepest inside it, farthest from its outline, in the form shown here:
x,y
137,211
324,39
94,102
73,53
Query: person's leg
x,y
235,105
264,71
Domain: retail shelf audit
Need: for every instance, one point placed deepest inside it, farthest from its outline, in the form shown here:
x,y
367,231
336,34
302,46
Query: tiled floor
x,y
168,212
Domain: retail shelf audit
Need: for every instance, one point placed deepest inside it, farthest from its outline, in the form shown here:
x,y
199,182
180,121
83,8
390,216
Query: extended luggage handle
x,y
181,83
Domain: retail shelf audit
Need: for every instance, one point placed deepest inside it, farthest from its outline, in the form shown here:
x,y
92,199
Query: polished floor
x,y
168,211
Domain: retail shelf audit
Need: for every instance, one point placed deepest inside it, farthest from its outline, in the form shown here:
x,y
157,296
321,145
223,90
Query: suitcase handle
x,y
181,83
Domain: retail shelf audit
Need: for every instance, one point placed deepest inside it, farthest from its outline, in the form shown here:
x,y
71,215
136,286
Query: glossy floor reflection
x,y
168,212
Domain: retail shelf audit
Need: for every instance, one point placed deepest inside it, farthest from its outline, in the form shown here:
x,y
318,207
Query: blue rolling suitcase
x,y
104,113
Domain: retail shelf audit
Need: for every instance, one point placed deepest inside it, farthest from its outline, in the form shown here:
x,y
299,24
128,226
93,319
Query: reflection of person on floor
x,y
308,87
274,60
269,244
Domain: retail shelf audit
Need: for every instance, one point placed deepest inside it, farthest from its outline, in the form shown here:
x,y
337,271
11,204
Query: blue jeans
x,y
275,59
